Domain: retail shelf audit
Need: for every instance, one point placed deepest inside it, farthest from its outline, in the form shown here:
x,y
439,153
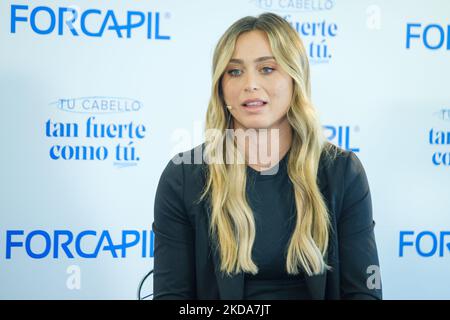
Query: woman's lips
x,y
254,102
254,106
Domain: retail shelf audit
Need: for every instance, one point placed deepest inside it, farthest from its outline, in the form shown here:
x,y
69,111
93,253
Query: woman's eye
x,y
267,70
234,72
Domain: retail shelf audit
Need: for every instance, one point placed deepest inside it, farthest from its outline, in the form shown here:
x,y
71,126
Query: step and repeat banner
x,y
97,96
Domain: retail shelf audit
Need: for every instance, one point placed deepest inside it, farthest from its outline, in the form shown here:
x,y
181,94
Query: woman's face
x,y
254,84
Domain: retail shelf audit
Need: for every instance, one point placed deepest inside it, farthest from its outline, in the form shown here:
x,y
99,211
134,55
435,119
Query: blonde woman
x,y
275,214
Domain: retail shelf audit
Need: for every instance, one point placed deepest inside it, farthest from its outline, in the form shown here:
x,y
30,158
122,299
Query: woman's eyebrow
x,y
260,59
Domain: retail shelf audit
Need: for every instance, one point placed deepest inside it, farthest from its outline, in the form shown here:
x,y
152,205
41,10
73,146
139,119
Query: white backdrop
x,y
77,202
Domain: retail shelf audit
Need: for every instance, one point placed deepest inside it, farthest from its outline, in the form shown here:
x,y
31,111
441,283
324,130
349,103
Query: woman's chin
x,y
255,124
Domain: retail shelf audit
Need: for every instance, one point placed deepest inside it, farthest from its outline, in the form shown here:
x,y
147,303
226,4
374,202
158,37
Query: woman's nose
x,y
251,83
250,88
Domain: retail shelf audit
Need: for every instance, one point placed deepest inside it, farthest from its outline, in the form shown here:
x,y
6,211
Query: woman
x,y
297,225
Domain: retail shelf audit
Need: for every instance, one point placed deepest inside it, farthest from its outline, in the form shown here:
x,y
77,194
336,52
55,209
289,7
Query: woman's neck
x,y
264,148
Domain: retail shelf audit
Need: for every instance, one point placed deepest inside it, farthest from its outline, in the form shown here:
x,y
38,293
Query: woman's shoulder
x,y
186,170
336,166
341,166
189,162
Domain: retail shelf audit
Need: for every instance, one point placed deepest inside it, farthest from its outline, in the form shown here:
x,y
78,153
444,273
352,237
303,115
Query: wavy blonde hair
x,y
232,222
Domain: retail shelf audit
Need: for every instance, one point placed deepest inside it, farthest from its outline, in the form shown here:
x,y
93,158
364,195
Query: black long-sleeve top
x,y
186,264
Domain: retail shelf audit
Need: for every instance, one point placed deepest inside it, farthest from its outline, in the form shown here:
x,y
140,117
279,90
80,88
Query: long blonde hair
x,y
232,222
